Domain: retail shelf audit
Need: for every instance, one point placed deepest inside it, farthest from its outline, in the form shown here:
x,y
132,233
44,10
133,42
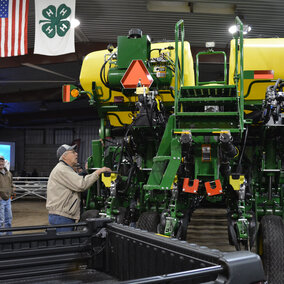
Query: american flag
x,y
13,27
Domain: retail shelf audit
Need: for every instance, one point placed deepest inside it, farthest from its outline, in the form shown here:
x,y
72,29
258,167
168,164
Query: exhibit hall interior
x,y
141,141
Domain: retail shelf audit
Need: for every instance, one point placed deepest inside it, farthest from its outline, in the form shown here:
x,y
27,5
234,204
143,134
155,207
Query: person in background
x,y
64,187
6,190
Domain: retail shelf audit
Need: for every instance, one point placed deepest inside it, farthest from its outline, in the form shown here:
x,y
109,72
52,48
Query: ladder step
x,y
211,90
151,186
218,86
161,158
206,130
229,113
208,99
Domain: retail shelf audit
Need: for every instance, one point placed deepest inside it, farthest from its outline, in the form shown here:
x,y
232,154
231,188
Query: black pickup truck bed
x,y
106,252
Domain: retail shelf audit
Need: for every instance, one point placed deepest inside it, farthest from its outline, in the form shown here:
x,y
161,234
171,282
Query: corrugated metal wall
x,y
63,136
38,152
86,133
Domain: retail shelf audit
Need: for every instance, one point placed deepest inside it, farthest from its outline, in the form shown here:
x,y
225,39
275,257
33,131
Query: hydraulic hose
x,y
103,79
243,150
276,84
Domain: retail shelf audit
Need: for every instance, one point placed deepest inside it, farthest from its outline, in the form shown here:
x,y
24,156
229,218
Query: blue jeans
x,y
6,215
60,220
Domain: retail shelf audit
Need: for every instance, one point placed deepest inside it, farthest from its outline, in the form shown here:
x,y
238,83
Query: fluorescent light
x,y
247,29
168,6
233,29
209,44
75,23
194,7
213,8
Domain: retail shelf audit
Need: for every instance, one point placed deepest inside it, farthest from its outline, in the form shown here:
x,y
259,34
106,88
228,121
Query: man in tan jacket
x,y
64,187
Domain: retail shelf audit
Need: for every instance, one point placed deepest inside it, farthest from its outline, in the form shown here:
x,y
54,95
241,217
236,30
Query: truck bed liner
x,y
110,252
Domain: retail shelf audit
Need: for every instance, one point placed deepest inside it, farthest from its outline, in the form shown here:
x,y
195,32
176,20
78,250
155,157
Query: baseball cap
x,y
63,148
2,157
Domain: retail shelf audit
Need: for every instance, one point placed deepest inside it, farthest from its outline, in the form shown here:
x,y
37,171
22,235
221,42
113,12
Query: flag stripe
x,y
22,40
15,46
20,27
6,32
2,21
9,24
13,30
26,27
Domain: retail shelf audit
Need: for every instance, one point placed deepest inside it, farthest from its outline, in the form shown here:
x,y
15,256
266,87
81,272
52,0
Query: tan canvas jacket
x,y
63,190
6,184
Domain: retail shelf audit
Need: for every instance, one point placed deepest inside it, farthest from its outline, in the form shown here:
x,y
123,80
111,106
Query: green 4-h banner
x,y
53,32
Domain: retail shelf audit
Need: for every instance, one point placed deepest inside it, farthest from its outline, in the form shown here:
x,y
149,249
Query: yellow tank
x,y
91,67
259,54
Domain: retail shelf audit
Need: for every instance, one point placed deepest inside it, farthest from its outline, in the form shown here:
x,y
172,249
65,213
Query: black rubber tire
x,y
232,232
162,223
272,237
182,230
148,221
233,236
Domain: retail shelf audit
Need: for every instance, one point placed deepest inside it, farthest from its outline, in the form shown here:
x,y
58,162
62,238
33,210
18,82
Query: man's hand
x,y
102,170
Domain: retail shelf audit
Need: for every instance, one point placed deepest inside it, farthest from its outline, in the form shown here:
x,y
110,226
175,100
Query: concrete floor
x,y
29,213
208,227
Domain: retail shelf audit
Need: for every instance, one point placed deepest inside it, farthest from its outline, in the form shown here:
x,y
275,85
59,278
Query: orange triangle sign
x,y
136,72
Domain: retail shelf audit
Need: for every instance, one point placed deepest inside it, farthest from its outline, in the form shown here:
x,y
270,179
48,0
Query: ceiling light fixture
x,y
75,23
191,7
247,29
169,6
213,8
210,44
233,29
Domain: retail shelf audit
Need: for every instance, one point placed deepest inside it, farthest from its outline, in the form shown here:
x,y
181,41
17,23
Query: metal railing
x,y
30,187
179,66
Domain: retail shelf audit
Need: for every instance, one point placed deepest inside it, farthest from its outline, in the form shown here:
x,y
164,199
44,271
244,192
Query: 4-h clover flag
x,y
53,32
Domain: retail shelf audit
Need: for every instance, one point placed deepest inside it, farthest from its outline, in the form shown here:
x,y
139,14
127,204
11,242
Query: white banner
x,y
53,32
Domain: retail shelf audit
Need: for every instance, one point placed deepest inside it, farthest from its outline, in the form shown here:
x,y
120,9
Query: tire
x,y
232,232
182,230
232,236
272,239
148,221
